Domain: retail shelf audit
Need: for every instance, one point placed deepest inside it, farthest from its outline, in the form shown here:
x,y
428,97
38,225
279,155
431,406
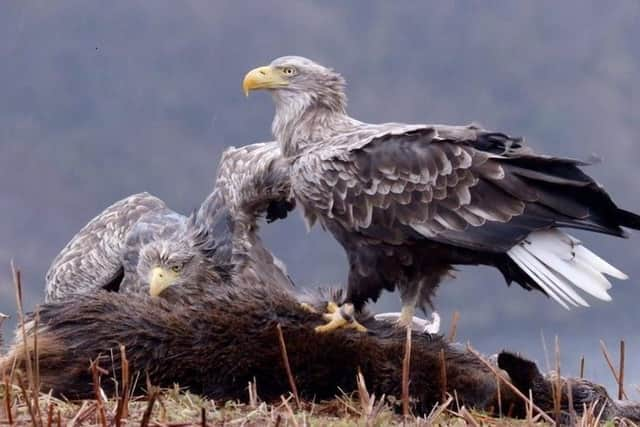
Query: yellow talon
x,y
332,307
336,320
357,326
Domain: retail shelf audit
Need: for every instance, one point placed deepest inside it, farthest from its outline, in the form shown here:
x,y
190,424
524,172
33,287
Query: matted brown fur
x,y
526,376
230,338
226,339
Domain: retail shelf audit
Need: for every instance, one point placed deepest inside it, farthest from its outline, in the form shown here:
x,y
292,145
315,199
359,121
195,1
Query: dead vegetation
x,y
176,407
21,403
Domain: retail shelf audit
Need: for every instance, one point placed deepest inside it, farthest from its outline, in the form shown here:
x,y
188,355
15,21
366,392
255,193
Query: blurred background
x,y
102,100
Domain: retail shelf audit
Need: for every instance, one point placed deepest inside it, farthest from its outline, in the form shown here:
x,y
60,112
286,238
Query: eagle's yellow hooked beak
x,y
160,279
263,78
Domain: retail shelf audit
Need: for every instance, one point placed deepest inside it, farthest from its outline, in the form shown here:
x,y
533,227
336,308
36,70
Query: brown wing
x,y
252,180
456,185
254,177
93,258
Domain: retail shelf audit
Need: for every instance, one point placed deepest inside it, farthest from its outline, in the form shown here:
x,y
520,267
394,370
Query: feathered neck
x,y
306,118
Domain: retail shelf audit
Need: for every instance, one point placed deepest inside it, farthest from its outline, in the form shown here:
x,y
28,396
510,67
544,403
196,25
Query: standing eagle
x,y
140,245
407,202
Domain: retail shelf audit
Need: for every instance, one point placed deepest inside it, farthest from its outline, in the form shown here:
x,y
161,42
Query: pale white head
x,y
165,263
301,90
298,80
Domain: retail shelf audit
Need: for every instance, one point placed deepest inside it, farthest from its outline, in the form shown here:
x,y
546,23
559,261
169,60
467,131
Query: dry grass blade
x,y
454,326
27,399
438,410
36,359
406,366
506,381
80,415
95,373
588,413
500,399
530,408
557,385
443,377
621,392
285,403
370,408
50,415
596,421
346,402
285,358
615,374
7,399
366,402
152,397
17,282
253,394
363,393
5,380
122,409
468,417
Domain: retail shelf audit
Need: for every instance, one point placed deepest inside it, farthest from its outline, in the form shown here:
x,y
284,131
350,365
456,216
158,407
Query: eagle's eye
x,y
289,71
176,268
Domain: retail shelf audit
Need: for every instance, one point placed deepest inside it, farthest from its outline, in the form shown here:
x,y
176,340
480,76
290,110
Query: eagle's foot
x,y
339,317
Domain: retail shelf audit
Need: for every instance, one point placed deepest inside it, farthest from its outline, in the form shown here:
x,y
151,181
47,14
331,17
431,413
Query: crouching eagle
x,y
407,202
138,244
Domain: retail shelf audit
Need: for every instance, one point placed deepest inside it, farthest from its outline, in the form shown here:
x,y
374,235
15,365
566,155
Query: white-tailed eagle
x,y
140,245
408,202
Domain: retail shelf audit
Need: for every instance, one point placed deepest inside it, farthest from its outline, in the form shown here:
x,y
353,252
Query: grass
x,y
175,407
21,404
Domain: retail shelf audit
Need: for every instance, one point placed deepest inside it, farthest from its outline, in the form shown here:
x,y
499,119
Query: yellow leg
x,y
406,315
336,320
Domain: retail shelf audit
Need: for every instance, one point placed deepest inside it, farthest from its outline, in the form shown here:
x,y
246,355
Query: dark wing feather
x,y
252,181
93,258
456,185
406,204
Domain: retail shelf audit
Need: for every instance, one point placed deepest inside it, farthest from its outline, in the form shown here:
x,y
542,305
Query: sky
x,y
103,100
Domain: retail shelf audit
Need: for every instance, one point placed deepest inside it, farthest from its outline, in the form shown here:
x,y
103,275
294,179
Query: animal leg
x,y
410,295
409,300
406,314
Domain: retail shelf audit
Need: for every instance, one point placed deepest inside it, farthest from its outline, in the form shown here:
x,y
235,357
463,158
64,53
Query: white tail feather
x,y
536,270
600,264
558,263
